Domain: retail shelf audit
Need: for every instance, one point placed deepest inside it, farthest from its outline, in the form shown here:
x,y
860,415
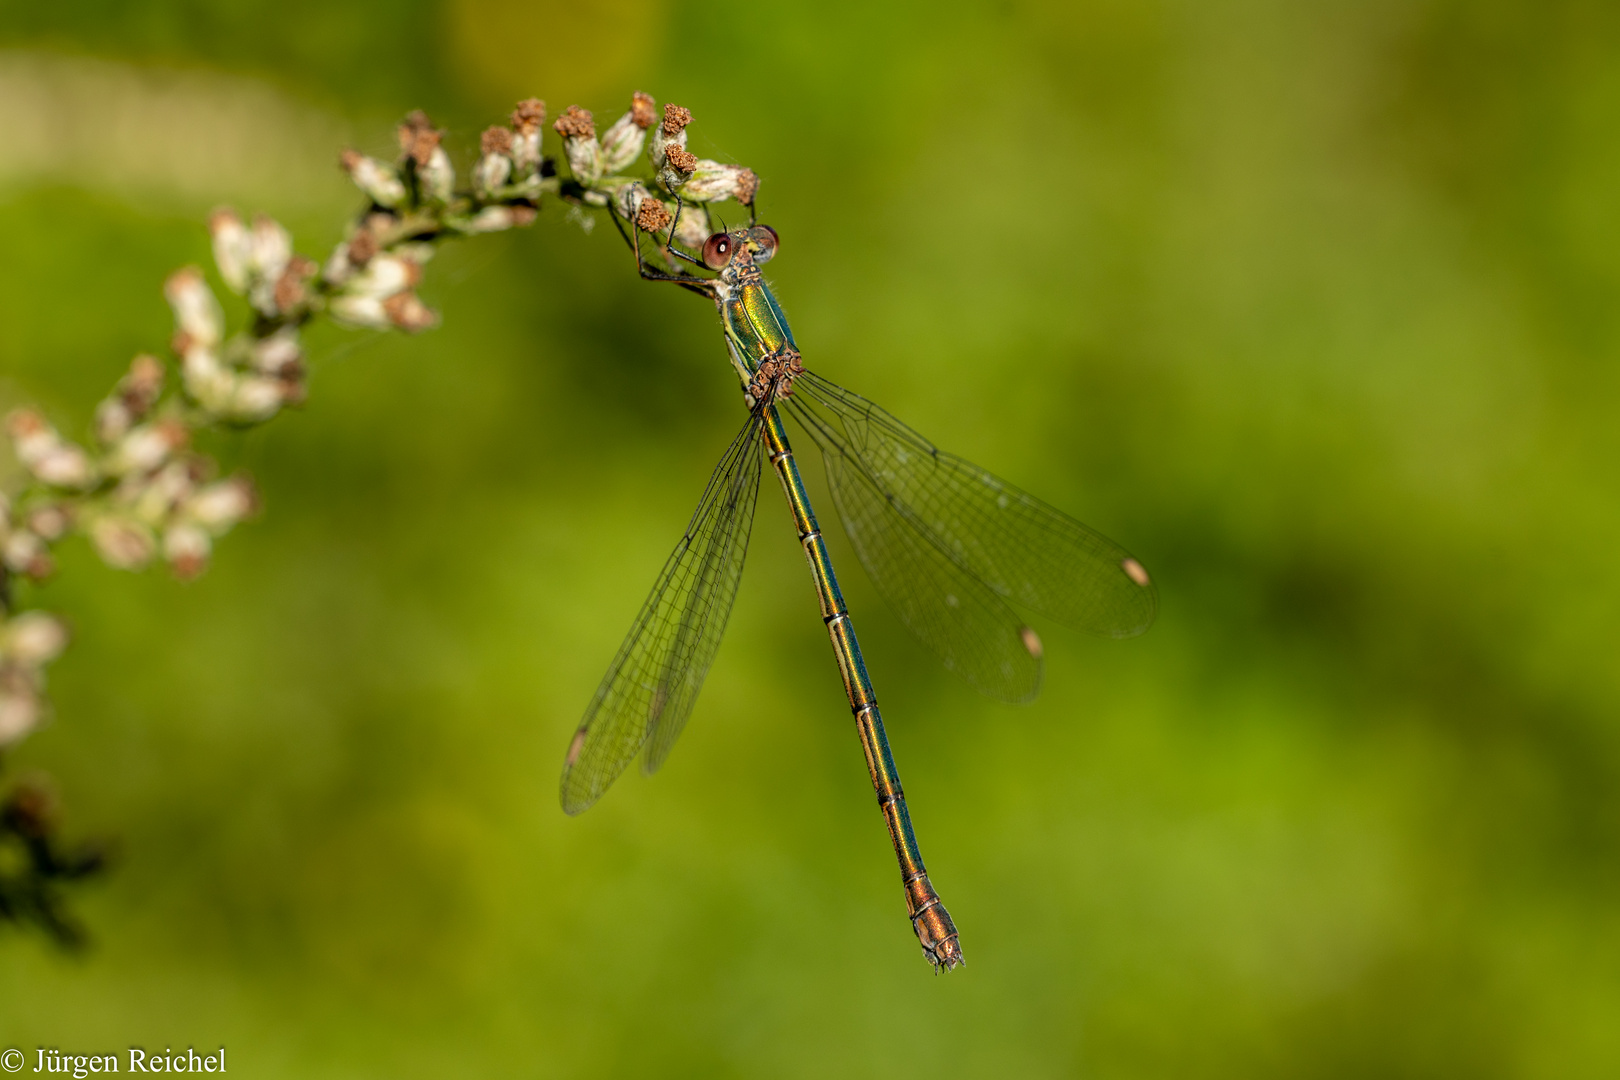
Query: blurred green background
x,y
1312,306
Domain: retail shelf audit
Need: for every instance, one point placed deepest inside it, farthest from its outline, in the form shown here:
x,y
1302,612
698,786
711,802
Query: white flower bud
x,y
494,166
622,143
272,247
584,153
268,264
380,182
220,505
420,253
360,310
492,173
20,709
255,398
527,120
113,419
713,181
279,354
496,218
153,498
186,548
146,447
384,276
339,266
437,177
240,397
419,142
49,522
351,254
122,542
205,378
134,396
25,553
49,457
33,638
196,312
233,248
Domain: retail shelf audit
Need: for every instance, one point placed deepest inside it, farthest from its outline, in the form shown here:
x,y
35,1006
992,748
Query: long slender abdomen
x,y
932,923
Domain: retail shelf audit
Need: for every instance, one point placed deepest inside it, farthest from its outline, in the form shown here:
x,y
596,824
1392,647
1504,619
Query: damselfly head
x,y
760,241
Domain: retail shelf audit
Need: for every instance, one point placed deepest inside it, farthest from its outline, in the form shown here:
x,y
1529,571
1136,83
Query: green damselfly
x,y
950,546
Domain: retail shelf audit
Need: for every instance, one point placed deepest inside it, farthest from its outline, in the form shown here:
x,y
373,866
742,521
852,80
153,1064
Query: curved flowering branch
x,y
598,177
138,491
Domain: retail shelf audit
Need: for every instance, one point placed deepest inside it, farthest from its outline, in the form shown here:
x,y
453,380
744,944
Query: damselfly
x,y
951,547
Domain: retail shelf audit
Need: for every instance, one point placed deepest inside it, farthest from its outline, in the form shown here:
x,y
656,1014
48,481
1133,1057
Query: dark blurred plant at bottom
x,y
35,863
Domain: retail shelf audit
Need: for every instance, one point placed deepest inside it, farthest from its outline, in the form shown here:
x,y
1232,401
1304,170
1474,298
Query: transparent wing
x,y
653,682
959,617
1020,549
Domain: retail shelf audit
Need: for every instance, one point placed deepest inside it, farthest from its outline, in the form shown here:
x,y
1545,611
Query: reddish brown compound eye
x,y
764,242
717,250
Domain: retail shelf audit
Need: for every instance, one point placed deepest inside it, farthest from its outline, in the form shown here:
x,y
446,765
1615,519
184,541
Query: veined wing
x,y
653,682
955,614
1018,547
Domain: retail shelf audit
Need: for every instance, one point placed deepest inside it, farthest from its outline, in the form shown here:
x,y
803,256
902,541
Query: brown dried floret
x,y
293,389
496,140
676,119
747,186
289,290
642,111
652,216
140,388
529,115
418,138
683,160
24,422
575,122
413,272
406,311
363,247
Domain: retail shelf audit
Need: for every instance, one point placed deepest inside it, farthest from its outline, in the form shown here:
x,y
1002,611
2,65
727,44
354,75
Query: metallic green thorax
x,y
755,327
767,359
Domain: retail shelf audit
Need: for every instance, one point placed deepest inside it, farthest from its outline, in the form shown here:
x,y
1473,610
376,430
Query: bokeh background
x,y
1312,306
